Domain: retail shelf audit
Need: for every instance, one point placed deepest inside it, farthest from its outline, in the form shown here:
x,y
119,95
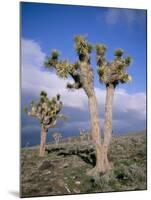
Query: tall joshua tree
x,y
82,75
111,74
47,111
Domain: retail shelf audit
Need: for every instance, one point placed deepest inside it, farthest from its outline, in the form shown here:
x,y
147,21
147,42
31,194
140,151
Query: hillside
x,y
63,170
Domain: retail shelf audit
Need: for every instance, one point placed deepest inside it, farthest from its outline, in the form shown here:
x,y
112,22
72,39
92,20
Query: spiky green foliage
x,y
119,52
109,72
58,97
65,69
115,71
25,109
128,60
55,54
82,47
100,49
43,94
46,110
53,59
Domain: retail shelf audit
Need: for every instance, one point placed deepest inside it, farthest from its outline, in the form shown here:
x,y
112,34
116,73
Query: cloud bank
x,y
126,16
129,110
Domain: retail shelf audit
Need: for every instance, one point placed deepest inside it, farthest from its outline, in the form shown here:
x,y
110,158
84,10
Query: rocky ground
x,y
63,169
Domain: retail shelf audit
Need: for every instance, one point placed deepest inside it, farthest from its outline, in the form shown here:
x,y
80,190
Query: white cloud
x,y
130,102
127,16
34,80
31,54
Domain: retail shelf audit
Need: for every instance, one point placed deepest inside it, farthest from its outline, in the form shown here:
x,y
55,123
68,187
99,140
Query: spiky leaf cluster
x,y
100,53
82,47
46,110
100,49
113,72
65,69
118,53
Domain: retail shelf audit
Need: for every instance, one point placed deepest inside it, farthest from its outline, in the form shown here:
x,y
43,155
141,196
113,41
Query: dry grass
x,y
64,168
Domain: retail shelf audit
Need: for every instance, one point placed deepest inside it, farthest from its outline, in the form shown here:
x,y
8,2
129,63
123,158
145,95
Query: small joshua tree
x,y
82,134
111,74
57,137
82,74
47,111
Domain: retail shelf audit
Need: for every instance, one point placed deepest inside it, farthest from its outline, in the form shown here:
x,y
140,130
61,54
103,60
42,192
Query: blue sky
x,y
48,26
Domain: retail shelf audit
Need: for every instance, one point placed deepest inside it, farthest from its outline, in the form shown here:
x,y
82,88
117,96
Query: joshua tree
x,y
82,75
82,134
47,112
111,74
57,137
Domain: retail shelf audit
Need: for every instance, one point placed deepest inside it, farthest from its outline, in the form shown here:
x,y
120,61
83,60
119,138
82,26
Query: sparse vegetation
x,y
62,171
82,56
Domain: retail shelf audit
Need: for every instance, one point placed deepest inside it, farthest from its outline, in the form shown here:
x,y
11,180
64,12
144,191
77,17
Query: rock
x,y
77,182
47,172
74,177
46,164
66,165
76,191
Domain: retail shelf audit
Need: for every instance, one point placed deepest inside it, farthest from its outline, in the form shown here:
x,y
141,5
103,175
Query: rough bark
x,y
107,125
42,142
102,162
87,80
95,134
94,119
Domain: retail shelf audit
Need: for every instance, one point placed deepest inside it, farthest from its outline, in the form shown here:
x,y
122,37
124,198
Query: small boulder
x,y
77,182
65,165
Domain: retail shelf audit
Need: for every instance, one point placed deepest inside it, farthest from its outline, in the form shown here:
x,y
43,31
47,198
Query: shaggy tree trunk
x,y
107,125
102,164
95,132
87,80
43,142
94,118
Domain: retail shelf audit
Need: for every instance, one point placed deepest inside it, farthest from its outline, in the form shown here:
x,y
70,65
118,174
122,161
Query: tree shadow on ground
x,y
87,155
53,150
